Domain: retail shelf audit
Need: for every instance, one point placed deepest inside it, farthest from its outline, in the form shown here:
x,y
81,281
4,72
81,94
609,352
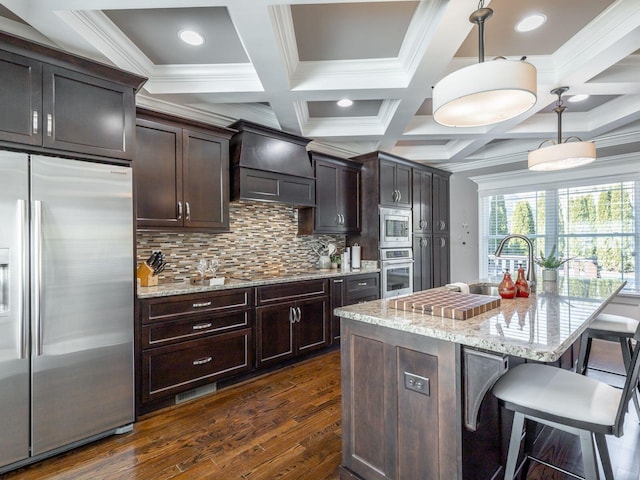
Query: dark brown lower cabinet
x,y
187,341
349,290
174,368
292,319
406,400
397,422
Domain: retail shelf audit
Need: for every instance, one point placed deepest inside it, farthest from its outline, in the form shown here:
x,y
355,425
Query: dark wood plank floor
x,y
283,425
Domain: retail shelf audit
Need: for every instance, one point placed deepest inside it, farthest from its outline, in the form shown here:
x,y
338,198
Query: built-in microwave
x,y
395,227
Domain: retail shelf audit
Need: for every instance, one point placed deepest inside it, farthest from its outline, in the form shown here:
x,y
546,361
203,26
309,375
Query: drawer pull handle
x,y
202,361
201,326
202,304
362,284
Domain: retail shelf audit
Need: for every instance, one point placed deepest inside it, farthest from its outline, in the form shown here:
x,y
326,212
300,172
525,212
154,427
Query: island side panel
x,y
391,431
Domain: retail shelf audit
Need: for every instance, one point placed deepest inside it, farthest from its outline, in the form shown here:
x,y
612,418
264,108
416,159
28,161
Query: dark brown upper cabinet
x,y
440,199
395,184
337,208
181,175
55,102
422,202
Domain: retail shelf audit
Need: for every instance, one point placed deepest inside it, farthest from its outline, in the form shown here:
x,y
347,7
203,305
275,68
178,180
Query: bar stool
x,y
613,328
567,401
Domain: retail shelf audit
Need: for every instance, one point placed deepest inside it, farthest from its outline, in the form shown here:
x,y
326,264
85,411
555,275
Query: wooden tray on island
x,y
444,303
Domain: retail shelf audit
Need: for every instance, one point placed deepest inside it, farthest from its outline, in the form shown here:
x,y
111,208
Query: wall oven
x,y
395,227
396,271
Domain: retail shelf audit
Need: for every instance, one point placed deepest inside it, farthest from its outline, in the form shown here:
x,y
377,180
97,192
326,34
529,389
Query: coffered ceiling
x,y
285,66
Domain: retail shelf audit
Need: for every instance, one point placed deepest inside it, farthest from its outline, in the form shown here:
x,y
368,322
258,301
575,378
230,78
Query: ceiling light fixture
x,y
578,98
561,155
486,92
530,23
191,37
344,102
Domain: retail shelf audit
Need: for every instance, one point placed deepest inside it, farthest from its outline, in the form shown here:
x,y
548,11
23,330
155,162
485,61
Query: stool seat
x,y
571,402
553,393
616,324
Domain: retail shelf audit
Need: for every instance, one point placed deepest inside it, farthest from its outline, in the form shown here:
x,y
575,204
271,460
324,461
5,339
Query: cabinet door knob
x,y
34,125
188,210
443,242
399,195
443,225
299,314
292,315
179,210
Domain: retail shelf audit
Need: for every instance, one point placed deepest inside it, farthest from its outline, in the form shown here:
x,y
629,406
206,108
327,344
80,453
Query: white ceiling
x,y
285,65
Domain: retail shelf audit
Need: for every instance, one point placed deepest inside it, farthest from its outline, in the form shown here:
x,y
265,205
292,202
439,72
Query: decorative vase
x,y
522,286
507,288
324,262
549,275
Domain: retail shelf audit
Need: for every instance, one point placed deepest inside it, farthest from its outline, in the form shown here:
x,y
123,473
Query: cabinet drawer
x,y
362,299
362,286
283,292
180,305
175,368
159,333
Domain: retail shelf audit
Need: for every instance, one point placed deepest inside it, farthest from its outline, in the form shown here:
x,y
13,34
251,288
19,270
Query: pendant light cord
x,y
560,108
478,17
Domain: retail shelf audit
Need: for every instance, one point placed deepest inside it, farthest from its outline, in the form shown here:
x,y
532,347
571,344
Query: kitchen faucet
x,y
531,271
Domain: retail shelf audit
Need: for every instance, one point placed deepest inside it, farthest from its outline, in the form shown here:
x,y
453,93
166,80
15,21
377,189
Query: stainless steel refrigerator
x,y
66,304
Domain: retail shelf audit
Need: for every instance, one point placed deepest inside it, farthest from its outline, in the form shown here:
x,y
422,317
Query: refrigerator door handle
x,y
36,276
22,277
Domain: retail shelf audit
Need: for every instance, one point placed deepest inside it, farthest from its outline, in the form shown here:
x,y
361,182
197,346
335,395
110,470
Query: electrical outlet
x,y
416,383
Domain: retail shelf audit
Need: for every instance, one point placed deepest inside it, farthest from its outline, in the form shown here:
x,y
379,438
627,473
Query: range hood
x,y
269,165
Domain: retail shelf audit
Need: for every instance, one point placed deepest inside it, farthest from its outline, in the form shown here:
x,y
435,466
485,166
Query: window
x,y
594,226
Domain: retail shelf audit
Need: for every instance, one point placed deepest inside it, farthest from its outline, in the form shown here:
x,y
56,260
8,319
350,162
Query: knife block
x,y
146,276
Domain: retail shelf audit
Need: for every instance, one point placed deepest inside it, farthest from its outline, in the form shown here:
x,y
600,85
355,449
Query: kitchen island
x,y
414,385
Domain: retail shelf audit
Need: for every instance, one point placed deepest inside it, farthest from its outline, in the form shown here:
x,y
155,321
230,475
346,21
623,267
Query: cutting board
x,y
444,303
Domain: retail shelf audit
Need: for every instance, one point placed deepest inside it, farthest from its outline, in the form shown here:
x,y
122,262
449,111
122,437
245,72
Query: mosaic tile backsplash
x,y
263,240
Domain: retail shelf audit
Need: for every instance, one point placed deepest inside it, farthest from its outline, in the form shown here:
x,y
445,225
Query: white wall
x,y
463,196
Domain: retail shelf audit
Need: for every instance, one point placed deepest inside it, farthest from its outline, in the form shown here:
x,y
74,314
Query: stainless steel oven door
x,y
396,278
395,227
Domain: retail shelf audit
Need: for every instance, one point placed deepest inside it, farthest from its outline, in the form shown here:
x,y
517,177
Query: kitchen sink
x,y
484,290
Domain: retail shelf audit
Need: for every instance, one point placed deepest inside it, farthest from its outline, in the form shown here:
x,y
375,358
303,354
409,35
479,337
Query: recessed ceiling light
x,y
191,37
345,102
531,22
578,98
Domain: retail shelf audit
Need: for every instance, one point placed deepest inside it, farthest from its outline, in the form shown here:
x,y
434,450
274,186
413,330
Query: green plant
x,y
336,258
551,262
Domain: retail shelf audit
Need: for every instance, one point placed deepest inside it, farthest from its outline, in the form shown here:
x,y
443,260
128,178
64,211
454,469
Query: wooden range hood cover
x,y
269,165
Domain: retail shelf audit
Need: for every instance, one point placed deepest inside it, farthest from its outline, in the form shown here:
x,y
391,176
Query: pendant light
x,y
487,92
561,155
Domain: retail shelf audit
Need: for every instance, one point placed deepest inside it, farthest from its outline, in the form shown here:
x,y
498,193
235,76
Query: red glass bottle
x,y
522,287
507,289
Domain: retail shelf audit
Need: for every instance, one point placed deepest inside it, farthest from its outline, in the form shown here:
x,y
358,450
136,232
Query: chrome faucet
x,y
531,271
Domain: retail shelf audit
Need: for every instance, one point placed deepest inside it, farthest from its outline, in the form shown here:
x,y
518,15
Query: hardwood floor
x,y
283,425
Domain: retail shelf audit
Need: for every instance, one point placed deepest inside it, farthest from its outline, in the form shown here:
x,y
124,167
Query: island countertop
x,y
541,327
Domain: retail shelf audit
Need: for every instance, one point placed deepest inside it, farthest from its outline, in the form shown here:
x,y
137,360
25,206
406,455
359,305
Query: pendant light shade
x,y
487,92
561,155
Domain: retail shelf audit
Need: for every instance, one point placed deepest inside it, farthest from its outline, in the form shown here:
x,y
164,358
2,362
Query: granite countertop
x,y
541,327
168,289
